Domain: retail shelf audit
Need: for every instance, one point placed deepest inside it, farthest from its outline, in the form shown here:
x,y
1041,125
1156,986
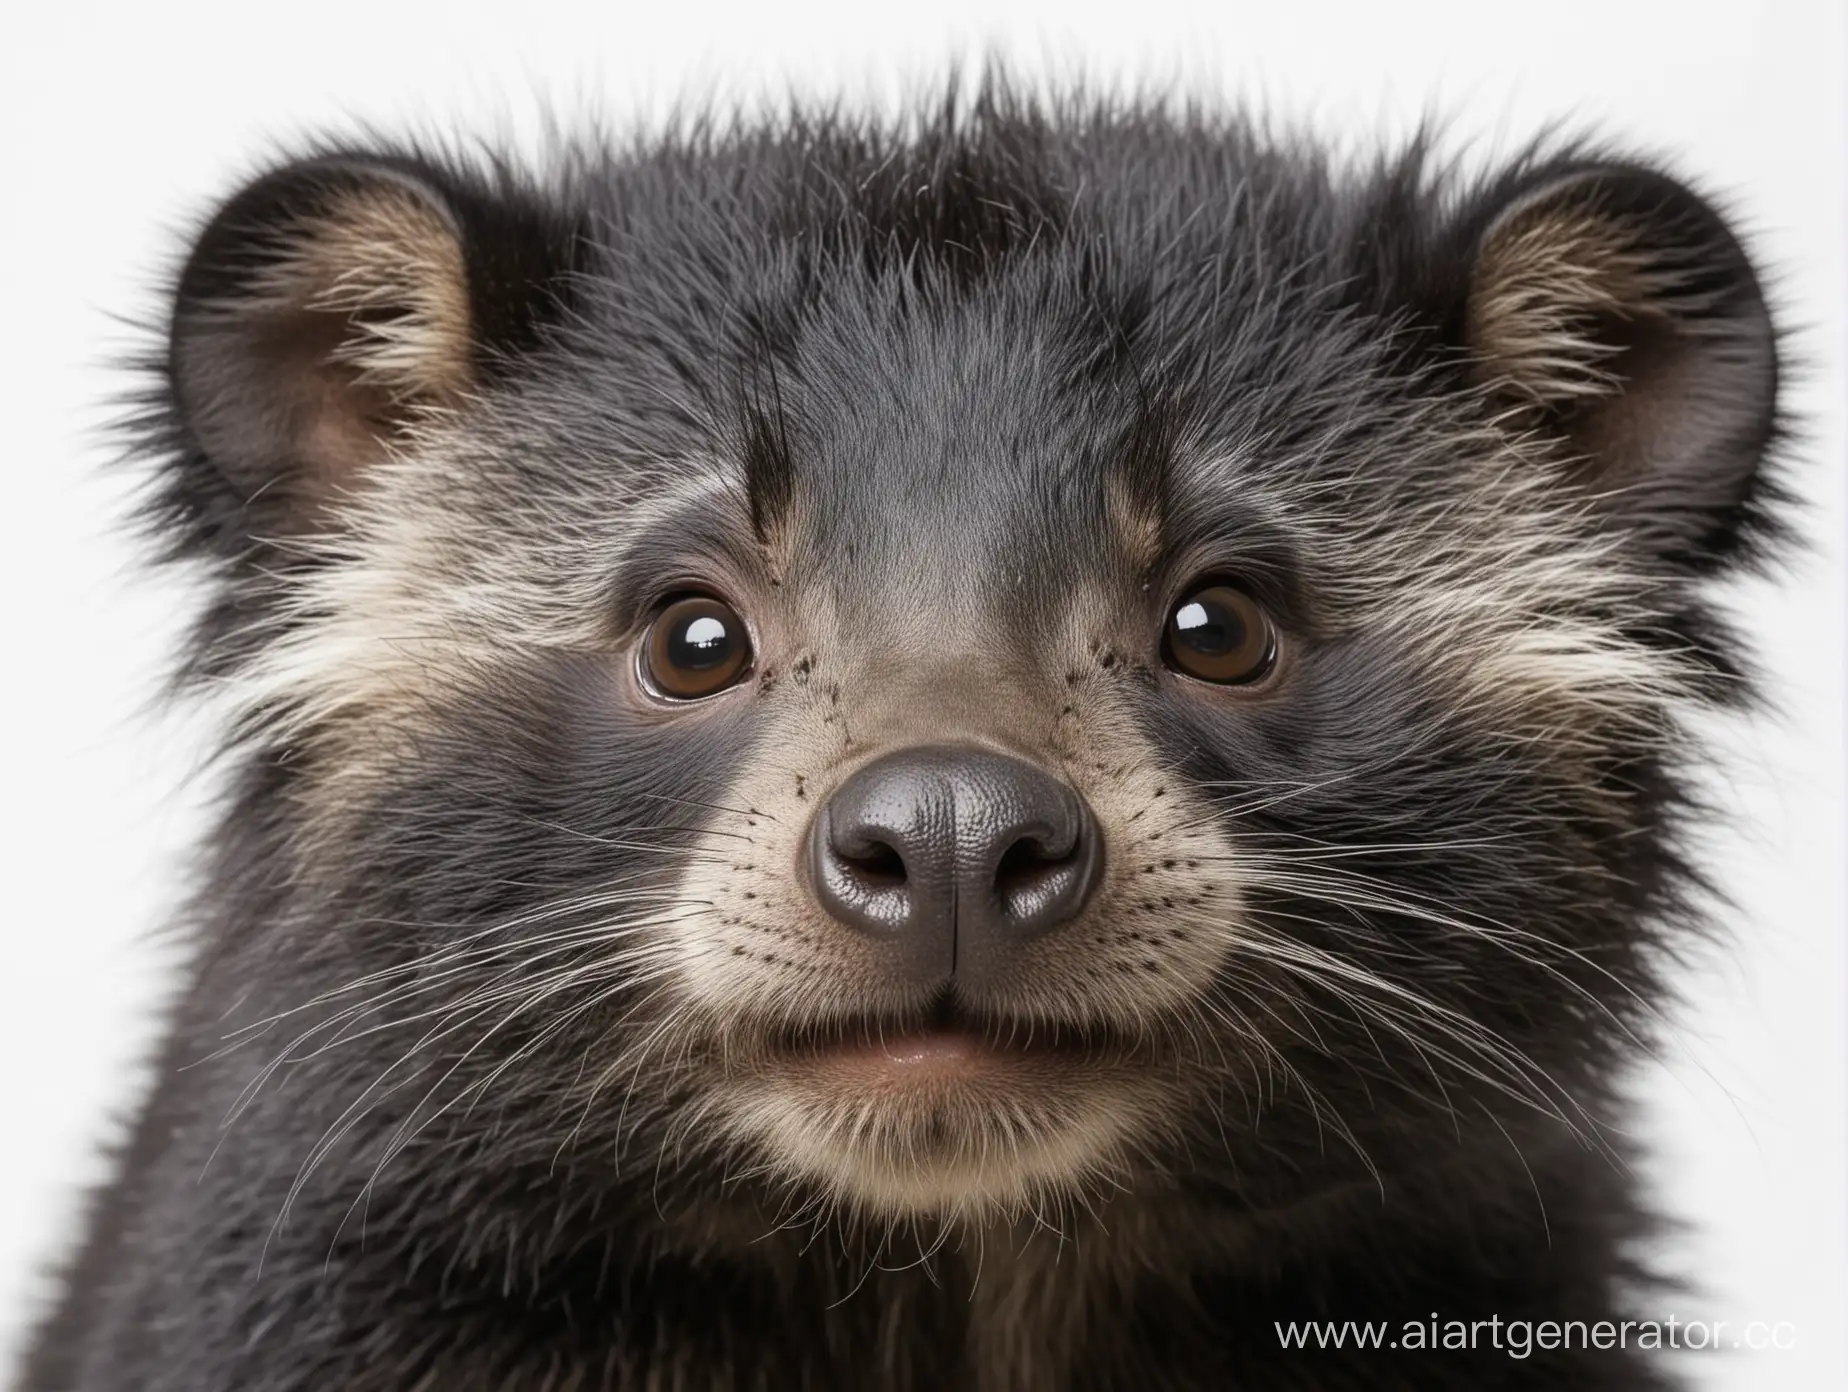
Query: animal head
x,y
940,668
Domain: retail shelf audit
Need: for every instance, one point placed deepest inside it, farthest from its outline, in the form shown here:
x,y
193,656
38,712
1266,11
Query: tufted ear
x,y
326,309
1610,306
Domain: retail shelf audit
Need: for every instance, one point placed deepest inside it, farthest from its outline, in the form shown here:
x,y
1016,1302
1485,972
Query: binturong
x,y
1005,747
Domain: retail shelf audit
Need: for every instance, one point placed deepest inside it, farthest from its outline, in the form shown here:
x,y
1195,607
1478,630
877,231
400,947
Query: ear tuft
x,y
1610,306
387,264
1551,277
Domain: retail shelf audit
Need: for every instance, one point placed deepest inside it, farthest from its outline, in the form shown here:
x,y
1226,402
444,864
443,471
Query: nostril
x,y
860,874
877,865
1031,871
1029,859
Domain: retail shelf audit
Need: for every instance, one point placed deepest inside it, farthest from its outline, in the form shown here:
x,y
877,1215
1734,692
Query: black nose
x,y
953,854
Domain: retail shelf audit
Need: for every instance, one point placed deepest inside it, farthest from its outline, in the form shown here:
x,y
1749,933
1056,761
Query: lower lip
x,y
927,1049
926,1055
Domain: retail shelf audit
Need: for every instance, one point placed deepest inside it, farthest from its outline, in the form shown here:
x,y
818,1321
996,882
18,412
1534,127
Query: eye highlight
x,y
697,646
1217,633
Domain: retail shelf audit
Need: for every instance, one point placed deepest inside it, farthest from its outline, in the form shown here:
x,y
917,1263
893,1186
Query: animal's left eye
x,y
696,647
1218,633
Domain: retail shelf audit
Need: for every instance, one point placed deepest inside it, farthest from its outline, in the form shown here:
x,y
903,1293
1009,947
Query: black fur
x,y
967,345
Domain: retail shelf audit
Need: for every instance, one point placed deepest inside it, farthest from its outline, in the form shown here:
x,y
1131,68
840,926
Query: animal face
x,y
940,673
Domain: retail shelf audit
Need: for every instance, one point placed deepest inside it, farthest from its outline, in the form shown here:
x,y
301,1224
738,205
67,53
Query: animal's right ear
x,y
324,311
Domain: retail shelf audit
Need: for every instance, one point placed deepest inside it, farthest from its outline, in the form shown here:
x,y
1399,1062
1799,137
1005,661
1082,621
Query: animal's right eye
x,y
697,646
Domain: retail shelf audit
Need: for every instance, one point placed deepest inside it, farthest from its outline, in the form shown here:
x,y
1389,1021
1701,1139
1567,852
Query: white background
x,y
119,125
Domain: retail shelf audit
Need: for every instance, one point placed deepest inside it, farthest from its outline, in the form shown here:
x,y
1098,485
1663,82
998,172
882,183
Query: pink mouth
x,y
940,1050
931,1048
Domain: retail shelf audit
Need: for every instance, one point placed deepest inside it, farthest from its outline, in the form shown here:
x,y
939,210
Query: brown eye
x,y
1218,633
697,646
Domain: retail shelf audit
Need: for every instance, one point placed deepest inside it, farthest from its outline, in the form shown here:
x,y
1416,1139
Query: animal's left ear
x,y
1613,308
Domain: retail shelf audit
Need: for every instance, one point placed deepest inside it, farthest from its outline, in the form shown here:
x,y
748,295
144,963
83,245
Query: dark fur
x,y
951,341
